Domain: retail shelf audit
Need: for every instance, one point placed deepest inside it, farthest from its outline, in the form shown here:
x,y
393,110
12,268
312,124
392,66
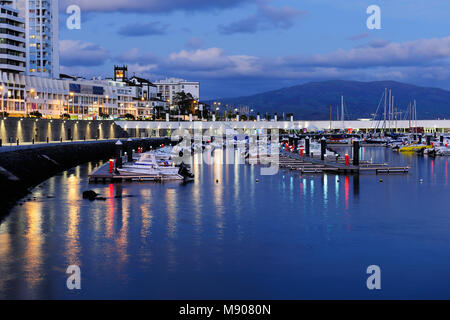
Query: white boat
x,y
148,165
163,153
442,151
315,149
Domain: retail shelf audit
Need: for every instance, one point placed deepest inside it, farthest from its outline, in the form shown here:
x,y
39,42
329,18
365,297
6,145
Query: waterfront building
x,y
149,103
168,88
42,43
12,39
79,98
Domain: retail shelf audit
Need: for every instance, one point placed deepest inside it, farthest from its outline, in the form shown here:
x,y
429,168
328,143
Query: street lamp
x,y
1,92
33,95
72,95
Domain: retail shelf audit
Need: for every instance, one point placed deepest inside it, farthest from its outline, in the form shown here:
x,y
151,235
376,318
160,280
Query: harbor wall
x,y
22,169
27,129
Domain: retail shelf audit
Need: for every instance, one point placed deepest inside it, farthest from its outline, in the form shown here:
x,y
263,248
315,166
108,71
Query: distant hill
x,y
312,100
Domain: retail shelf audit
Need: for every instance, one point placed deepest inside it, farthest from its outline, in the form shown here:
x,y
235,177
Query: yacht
x,y
147,165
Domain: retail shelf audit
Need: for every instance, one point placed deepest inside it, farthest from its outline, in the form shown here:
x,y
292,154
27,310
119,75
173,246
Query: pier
x,y
310,164
103,175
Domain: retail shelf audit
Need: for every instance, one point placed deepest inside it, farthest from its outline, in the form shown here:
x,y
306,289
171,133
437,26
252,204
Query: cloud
x,y
382,54
359,36
211,62
378,43
150,6
135,55
143,29
267,17
194,43
425,61
80,53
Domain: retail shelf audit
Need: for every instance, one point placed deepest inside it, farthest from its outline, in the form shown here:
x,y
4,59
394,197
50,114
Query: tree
x,y
4,114
65,116
36,114
185,102
129,116
103,116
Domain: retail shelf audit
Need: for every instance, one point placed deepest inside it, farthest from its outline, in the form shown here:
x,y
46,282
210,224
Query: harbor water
x,y
227,236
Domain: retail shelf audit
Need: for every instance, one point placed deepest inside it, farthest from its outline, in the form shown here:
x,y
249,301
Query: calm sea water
x,y
287,237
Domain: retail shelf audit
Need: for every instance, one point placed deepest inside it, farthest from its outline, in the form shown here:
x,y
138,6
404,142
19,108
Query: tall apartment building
x,y
42,43
168,88
12,39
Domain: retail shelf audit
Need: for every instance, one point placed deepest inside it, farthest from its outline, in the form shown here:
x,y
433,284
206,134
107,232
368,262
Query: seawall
x,y
28,166
39,130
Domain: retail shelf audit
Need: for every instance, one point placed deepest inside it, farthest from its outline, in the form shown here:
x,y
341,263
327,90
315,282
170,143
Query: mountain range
x,y
312,100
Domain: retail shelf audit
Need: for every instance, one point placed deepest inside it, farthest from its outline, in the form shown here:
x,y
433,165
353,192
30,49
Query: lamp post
x,y
33,94
195,105
72,98
2,102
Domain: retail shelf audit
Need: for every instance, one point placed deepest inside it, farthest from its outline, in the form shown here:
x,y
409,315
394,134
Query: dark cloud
x,y
80,53
359,36
378,43
143,29
151,6
266,17
194,43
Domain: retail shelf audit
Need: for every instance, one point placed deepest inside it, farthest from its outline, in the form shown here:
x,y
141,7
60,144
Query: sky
x,y
242,47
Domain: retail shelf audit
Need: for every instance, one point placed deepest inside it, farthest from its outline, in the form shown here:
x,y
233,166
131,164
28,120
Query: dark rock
x,y
91,195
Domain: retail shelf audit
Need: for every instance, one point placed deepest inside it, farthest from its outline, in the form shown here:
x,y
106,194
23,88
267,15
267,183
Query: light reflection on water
x,y
227,236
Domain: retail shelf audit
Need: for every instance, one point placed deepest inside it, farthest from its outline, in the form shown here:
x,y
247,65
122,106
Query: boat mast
x,y
415,114
331,116
385,104
410,117
342,112
392,115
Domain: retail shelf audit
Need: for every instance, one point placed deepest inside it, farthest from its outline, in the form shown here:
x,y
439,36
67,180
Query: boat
x,y
442,151
412,147
148,165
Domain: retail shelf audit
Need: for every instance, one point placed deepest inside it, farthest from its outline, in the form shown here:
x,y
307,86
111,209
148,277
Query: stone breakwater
x,y
23,169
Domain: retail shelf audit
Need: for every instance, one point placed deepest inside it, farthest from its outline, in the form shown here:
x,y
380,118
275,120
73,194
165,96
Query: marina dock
x,y
308,164
102,175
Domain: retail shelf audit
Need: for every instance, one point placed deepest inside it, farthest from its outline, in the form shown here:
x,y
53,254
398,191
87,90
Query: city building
x,y
168,88
77,98
149,104
42,43
12,39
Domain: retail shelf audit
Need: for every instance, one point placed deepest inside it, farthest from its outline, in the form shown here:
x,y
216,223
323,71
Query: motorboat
x,y
412,147
442,151
148,165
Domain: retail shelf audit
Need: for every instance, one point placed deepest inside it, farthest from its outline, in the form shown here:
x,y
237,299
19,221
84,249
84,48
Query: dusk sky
x,y
242,47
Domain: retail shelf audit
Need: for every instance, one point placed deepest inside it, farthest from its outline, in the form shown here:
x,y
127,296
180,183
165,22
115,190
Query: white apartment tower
x,y
42,42
12,39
